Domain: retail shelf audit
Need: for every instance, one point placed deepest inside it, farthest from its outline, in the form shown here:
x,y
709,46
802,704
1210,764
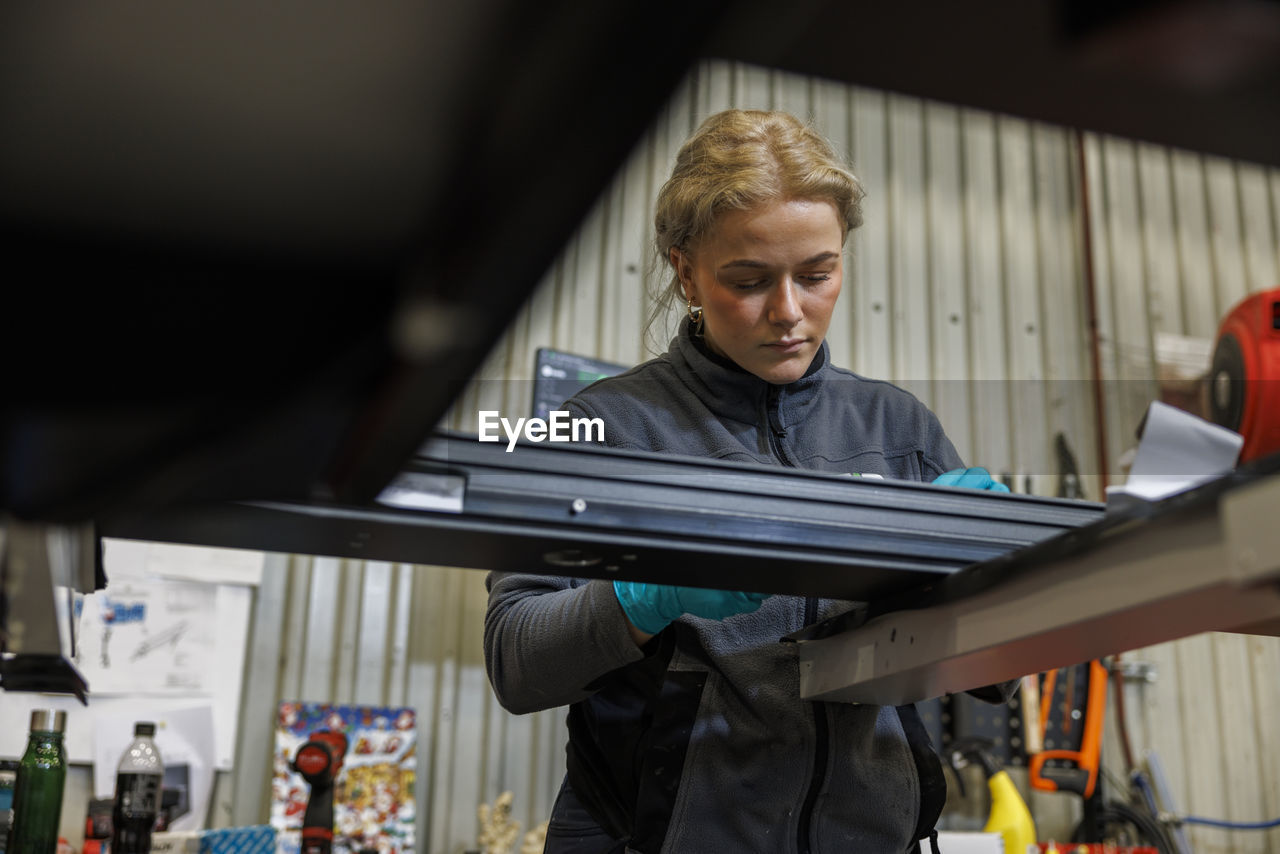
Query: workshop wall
x,y
968,284
338,631
1178,239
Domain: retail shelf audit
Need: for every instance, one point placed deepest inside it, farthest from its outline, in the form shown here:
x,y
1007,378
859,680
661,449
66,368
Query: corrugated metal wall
x,y
1178,239
967,285
345,631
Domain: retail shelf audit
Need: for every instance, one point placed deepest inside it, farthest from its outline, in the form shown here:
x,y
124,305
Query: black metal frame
x,y
595,512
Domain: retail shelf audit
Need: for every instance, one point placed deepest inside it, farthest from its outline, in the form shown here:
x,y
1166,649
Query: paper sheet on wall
x,y
152,637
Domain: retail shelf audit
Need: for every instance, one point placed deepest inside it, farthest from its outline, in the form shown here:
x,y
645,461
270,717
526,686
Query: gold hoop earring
x,y
695,314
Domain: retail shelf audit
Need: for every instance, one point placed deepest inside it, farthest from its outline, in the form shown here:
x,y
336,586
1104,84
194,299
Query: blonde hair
x,y
736,160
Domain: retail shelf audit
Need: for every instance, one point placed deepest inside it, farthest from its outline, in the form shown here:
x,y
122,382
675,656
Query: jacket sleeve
x,y
941,456
546,639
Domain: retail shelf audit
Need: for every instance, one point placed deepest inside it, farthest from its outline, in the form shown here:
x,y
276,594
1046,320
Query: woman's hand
x,y
971,478
652,607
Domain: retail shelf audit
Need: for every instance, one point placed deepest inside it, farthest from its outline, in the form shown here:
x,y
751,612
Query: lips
x,y
788,345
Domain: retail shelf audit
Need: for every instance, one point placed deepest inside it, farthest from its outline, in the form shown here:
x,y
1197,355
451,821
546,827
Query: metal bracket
x,y
1136,671
1198,563
42,567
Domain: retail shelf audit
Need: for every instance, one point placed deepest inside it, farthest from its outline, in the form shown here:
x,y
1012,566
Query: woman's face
x,y
767,279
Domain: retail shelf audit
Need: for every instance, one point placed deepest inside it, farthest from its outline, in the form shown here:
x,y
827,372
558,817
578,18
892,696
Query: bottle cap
x,y
48,720
144,728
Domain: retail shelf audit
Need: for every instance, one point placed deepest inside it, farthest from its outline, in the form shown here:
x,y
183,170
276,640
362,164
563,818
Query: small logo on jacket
x,y
558,427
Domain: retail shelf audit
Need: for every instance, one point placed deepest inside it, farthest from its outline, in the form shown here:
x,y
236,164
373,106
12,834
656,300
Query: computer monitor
x,y
559,376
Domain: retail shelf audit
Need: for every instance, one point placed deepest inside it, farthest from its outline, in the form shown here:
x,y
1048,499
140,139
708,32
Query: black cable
x,y
1117,812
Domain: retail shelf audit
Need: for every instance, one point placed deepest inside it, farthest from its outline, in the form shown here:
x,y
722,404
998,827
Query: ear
x,y
684,270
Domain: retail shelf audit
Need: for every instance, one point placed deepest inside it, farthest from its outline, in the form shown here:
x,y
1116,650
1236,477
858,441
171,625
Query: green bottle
x,y
37,793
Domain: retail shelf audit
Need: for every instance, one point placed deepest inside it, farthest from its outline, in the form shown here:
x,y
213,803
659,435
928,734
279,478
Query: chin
x,y
780,374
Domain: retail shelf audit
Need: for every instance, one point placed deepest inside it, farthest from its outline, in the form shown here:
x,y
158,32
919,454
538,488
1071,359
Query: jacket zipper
x,y
778,432
820,750
773,424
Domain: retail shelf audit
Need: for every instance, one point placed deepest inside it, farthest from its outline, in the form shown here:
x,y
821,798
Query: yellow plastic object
x,y
1009,814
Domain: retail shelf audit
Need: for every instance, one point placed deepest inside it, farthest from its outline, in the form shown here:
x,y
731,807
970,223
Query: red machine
x,y
1244,382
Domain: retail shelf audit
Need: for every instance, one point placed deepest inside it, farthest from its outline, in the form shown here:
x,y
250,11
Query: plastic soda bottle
x,y
138,783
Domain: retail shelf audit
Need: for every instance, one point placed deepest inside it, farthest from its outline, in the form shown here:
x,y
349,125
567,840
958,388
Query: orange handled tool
x,y
1082,778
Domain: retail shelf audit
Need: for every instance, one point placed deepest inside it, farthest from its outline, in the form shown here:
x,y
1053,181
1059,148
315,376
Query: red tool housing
x,y
1244,382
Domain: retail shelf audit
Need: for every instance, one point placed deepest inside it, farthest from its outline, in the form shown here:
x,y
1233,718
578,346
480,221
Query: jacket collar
x,y
731,392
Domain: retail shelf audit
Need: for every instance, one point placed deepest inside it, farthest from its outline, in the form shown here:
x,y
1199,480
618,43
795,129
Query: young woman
x,y
687,731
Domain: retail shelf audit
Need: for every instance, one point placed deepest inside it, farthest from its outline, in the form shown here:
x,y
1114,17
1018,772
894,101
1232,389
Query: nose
x,y
784,304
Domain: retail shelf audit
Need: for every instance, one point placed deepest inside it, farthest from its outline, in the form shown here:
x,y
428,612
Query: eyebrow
x,y
747,262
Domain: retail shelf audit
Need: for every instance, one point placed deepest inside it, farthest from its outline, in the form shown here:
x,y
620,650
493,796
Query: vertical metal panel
x,y
1064,312
1198,284
872,249
623,282
1264,661
1128,346
833,115
989,418
375,618
948,288
465,737
714,89
1261,257
1160,713
1226,239
1202,738
398,665
792,93
352,583
1241,768
1099,263
753,89
910,313
433,689
251,790
318,644
295,627
1159,240
1028,431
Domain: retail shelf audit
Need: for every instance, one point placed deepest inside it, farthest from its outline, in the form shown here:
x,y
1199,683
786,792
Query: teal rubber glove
x,y
652,607
971,478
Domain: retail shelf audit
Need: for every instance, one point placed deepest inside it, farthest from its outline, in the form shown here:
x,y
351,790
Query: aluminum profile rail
x,y
586,511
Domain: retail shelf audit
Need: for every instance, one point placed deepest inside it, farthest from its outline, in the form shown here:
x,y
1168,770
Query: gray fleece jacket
x,y
699,742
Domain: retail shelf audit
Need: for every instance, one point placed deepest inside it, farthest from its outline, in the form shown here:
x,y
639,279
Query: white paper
x,y
1178,451
961,842
183,737
153,637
